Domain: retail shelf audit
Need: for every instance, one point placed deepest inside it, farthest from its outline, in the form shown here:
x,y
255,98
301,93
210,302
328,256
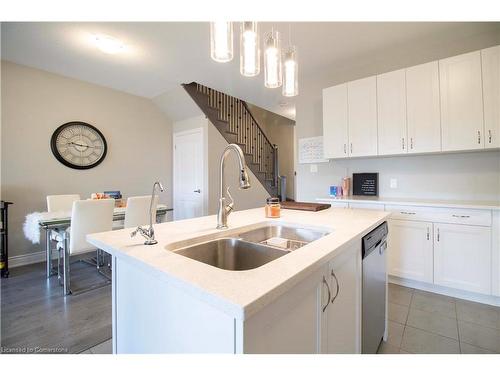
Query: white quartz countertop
x,y
480,205
239,293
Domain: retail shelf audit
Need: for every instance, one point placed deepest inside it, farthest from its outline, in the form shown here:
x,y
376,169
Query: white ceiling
x,y
161,56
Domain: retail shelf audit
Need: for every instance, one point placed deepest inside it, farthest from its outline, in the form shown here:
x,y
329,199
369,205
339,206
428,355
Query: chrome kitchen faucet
x,y
149,234
224,207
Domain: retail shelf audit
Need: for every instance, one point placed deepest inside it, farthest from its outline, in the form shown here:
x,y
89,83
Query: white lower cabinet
x,y
462,257
321,314
410,248
341,319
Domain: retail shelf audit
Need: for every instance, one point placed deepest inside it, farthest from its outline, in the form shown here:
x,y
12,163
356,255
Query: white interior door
x,y
188,174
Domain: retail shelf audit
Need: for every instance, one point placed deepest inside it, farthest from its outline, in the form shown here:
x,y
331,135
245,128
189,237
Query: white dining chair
x,y
58,203
137,211
87,216
63,202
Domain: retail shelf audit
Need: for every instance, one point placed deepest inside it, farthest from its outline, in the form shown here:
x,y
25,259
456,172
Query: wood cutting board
x,y
303,206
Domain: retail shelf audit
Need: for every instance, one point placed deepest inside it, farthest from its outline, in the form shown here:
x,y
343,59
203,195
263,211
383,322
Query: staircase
x,y
234,121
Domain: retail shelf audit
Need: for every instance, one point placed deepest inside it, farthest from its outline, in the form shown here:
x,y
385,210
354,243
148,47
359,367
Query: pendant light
x,y
221,41
272,60
249,49
290,69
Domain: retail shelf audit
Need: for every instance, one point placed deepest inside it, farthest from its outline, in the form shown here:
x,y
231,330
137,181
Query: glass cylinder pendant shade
x,y
249,49
272,60
290,72
221,41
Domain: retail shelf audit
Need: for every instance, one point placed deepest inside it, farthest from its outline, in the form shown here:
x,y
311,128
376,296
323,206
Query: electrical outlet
x,y
314,168
394,183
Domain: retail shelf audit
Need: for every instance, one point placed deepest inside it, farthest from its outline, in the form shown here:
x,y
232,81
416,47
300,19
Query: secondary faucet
x,y
149,234
225,208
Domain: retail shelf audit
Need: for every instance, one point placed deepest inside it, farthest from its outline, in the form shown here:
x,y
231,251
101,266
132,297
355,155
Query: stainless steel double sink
x,y
251,248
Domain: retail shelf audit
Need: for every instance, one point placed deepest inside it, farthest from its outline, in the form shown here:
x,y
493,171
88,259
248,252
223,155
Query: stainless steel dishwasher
x,y
374,288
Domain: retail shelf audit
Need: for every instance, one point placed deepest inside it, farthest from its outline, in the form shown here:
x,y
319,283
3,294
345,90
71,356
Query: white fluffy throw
x,y
31,225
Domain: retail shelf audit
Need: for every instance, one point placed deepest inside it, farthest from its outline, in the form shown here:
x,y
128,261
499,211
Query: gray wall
x,y
280,131
34,103
446,176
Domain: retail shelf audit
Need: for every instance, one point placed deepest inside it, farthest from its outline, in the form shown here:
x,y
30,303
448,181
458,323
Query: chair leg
x,y
66,271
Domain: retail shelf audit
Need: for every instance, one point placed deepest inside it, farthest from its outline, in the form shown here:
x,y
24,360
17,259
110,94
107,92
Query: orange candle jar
x,y
273,208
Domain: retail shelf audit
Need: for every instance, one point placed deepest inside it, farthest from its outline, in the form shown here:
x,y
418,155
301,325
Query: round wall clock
x,y
78,145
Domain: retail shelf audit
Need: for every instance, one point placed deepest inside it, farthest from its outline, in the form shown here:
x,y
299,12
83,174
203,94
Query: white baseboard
x,y
461,294
25,259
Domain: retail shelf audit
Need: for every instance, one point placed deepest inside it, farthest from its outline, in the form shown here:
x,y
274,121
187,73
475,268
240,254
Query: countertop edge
x,y
410,202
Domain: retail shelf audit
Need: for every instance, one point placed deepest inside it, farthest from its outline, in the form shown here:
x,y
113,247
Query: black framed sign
x,y
365,184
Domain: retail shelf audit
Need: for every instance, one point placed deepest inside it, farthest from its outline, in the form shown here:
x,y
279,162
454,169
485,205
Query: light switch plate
x,y
394,183
314,168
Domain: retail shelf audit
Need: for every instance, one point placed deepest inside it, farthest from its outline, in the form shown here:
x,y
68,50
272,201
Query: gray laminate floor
x,y
422,322
36,317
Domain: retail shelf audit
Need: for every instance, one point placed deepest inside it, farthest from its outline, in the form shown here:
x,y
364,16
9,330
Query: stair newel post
x,y
275,166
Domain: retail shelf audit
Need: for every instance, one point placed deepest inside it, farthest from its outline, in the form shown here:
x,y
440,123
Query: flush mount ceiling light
x,y
249,49
108,44
221,41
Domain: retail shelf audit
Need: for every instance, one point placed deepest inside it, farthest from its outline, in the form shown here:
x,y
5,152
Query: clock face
x,y
78,145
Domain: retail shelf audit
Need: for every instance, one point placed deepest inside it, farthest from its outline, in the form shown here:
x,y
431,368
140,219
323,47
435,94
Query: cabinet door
x,y
462,257
362,111
461,102
490,59
291,323
343,315
410,245
335,130
391,104
423,112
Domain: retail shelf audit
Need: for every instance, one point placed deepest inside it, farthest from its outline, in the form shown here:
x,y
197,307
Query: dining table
x,y
64,221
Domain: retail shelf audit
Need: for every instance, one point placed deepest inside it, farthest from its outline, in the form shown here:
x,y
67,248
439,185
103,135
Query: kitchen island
x,y
307,301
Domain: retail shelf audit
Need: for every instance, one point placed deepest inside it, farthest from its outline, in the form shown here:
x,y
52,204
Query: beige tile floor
x,y
427,323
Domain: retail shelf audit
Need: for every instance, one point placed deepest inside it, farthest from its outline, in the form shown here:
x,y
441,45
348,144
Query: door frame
x,y
204,183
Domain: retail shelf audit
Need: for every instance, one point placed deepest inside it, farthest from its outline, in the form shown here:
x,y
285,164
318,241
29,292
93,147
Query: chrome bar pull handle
x,y
411,143
489,136
345,148
428,234
403,142
351,147
329,293
338,286
438,235
479,137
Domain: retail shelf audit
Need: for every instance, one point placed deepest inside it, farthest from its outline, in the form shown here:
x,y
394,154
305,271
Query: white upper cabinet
x,y
335,122
461,92
423,112
391,104
491,94
362,114
447,105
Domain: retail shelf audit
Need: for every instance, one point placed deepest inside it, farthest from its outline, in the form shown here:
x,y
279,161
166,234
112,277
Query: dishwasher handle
x,y
383,247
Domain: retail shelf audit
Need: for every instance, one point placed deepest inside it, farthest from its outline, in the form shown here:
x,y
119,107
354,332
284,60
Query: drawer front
x,y
441,215
367,206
